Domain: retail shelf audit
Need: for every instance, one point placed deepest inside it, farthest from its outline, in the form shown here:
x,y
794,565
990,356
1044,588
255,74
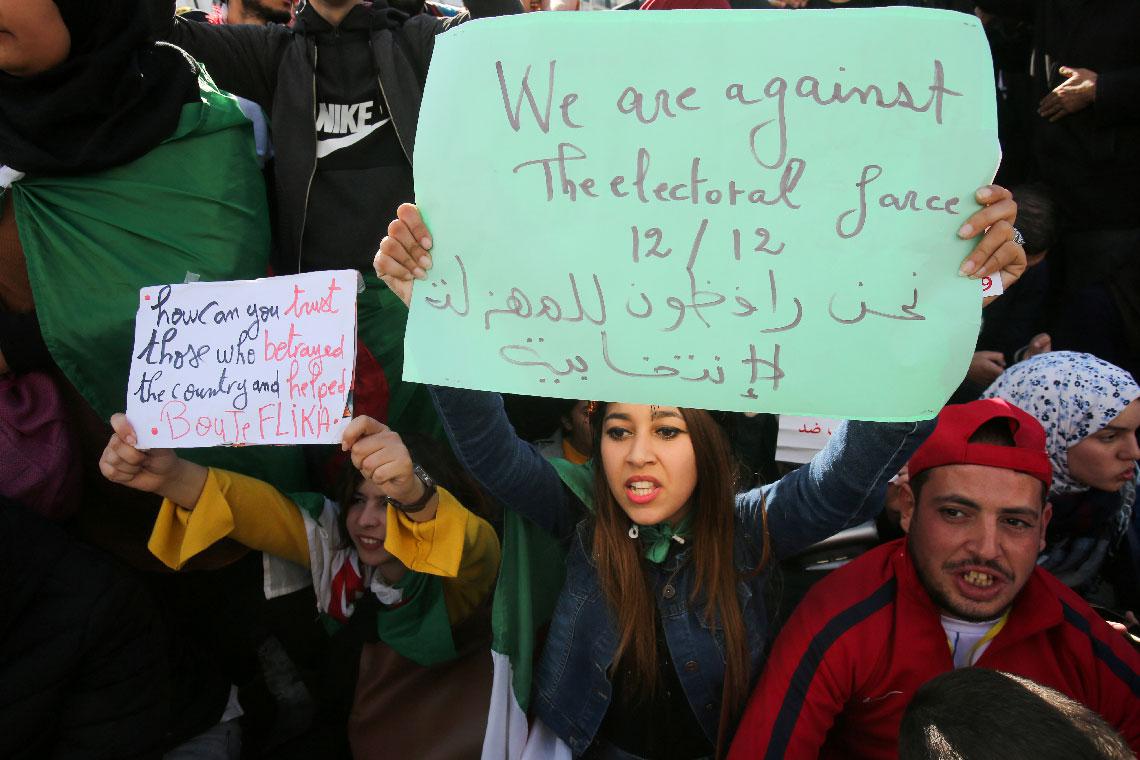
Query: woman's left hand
x,y
996,251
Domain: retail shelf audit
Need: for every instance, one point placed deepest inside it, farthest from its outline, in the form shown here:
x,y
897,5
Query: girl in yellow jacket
x,y
398,547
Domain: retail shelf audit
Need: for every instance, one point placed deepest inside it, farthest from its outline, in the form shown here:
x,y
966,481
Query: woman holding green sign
x,y
659,629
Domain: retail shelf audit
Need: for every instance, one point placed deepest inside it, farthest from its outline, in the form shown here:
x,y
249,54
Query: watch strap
x,y
422,502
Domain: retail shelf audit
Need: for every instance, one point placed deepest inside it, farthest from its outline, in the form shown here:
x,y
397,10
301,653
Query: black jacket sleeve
x,y
242,59
510,469
485,8
1018,9
1118,97
421,30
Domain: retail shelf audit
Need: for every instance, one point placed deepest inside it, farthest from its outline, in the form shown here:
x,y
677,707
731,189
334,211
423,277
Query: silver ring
x,y
1018,238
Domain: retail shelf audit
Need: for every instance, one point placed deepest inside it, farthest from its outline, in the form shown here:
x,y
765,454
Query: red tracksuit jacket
x,y
854,652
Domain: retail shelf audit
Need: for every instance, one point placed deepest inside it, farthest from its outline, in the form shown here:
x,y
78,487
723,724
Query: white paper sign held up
x,y
799,438
247,362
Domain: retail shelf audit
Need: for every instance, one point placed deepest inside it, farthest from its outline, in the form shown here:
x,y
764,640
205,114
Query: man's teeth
x,y
641,487
974,578
369,542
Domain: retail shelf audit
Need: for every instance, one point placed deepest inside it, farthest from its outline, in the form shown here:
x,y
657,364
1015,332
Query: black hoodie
x,y
362,173
333,205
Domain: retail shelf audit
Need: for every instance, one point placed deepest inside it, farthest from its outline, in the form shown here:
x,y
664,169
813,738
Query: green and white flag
x,y
195,204
530,579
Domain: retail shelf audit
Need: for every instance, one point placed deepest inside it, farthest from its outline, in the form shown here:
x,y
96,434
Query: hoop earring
x,y
633,532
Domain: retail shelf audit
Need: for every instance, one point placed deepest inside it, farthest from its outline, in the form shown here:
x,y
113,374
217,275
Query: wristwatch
x,y
420,503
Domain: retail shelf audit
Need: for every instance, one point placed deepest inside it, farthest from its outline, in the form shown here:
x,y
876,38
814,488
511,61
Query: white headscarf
x,y
1072,395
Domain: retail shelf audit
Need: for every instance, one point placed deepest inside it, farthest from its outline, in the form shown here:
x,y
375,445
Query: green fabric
x,y
656,539
579,478
196,203
381,318
312,504
531,575
418,629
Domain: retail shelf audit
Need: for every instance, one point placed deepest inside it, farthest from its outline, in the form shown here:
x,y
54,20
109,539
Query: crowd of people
x,y
641,563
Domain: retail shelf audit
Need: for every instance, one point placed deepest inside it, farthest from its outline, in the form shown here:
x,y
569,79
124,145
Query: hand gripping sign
x,y
719,209
265,361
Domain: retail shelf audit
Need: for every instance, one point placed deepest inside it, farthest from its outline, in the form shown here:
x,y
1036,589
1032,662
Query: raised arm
x,y
811,505
441,538
485,8
202,506
510,469
843,485
422,29
455,544
242,59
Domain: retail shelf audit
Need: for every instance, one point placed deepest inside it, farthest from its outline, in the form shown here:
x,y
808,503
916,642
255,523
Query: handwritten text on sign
x,y
731,210
246,362
799,438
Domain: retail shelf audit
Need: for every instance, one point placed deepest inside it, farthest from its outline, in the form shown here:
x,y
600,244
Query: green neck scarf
x,y
658,538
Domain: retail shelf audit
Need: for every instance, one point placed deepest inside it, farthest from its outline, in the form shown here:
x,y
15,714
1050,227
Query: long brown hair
x,y
625,583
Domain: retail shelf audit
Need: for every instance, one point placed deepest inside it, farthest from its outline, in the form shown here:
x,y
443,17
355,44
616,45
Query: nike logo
x,y
331,145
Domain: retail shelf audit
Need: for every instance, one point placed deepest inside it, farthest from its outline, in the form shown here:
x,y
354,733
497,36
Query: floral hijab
x,y
1072,395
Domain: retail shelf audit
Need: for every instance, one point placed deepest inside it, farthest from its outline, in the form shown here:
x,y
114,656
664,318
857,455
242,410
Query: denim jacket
x,y
843,485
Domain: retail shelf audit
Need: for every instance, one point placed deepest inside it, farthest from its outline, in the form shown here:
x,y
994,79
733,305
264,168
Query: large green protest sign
x,y
717,209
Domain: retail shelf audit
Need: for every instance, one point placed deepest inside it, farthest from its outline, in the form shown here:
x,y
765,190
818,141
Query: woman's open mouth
x,y
642,489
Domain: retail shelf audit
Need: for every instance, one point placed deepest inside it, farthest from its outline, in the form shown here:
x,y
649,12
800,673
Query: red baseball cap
x,y
950,441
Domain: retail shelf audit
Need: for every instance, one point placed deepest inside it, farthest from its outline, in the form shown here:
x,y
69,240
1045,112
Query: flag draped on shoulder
x,y
194,204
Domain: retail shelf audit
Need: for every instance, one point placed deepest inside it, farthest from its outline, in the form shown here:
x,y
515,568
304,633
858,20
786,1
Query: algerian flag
x,y
530,579
194,204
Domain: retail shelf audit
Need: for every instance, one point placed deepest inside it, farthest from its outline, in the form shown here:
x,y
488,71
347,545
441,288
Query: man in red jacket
x,y
962,589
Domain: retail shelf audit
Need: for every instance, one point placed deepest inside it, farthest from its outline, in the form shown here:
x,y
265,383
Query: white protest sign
x,y
991,286
799,438
266,361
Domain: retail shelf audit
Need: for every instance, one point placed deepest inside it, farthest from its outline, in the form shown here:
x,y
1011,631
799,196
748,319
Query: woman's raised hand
x,y
142,470
405,253
159,471
381,456
997,251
